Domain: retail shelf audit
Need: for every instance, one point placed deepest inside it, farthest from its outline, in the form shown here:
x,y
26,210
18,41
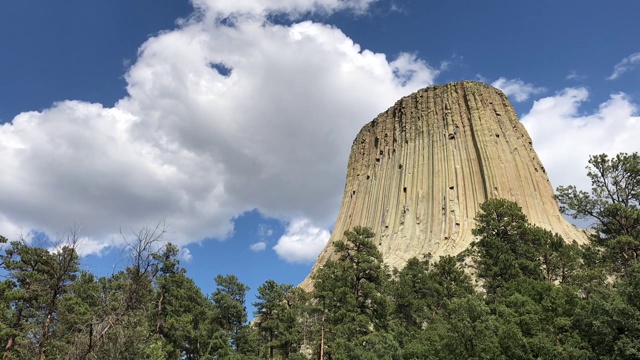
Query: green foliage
x,y
37,280
278,310
181,310
613,203
351,294
230,313
466,331
421,291
507,248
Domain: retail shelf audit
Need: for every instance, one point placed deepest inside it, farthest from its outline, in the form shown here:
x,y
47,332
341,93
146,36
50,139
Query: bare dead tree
x,y
144,243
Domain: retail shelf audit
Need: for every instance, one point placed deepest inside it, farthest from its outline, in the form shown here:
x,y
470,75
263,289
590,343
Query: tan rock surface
x,y
418,172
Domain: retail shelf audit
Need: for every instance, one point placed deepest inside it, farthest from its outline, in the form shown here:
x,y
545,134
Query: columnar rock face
x,y
418,172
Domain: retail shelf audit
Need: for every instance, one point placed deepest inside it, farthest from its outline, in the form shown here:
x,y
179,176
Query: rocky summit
x,y
418,172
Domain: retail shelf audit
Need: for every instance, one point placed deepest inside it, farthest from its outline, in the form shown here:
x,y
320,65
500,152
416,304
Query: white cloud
x,y
185,254
564,137
83,245
301,242
196,147
88,246
264,231
626,64
412,71
573,75
9,229
291,8
259,246
516,88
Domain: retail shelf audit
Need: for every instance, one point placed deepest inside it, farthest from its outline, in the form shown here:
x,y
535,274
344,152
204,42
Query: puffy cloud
x,y
84,245
626,64
82,163
564,136
185,254
516,88
88,246
301,242
218,120
412,71
259,246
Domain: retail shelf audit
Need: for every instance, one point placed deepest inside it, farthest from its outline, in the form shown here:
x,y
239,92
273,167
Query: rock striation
x,y
418,172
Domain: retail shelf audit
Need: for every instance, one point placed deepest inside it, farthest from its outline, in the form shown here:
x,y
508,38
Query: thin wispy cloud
x,y
625,65
573,75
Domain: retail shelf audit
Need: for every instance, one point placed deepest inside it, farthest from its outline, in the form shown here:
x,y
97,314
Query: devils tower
x,y
418,172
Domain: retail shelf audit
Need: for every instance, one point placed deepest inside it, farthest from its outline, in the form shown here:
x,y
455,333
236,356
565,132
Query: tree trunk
x,y
160,319
11,343
45,335
47,322
270,344
93,344
7,349
322,339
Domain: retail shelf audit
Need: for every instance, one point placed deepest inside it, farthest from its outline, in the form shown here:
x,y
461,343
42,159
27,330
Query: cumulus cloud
x,y
258,247
88,246
564,136
218,120
626,64
412,71
301,242
185,254
516,88
83,245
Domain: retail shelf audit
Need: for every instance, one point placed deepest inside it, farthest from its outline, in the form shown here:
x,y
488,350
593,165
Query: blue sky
x,y
233,120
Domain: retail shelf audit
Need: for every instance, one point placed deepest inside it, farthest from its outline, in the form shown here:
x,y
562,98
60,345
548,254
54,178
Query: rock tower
x,y
418,172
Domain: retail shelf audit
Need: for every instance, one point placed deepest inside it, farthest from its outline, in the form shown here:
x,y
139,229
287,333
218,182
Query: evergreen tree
x,y
40,278
467,330
278,311
351,293
614,203
412,294
507,248
230,313
181,310
421,290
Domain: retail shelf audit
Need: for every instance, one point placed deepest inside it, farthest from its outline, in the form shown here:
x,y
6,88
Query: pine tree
x,y
40,278
614,203
279,309
230,313
351,293
507,248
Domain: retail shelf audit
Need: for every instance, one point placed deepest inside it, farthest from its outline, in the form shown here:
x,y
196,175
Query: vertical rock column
x,y
418,172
